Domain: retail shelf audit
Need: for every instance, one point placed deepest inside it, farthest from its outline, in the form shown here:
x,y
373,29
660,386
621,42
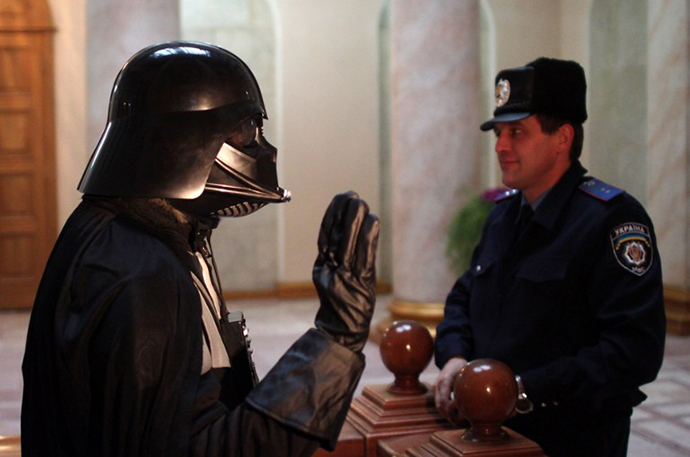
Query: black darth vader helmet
x,y
185,123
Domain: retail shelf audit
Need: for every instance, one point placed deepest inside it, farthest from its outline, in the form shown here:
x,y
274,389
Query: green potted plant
x,y
465,229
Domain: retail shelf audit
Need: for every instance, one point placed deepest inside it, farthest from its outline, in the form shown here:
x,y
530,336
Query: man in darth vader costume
x,y
131,349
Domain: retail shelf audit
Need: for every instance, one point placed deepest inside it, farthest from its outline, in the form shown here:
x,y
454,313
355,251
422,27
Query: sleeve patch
x,y
632,246
599,189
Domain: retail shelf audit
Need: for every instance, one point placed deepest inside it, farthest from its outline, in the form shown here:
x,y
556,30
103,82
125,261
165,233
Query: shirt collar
x,y
537,201
555,199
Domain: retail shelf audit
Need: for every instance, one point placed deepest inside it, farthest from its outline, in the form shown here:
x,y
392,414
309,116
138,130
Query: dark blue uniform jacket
x,y
575,305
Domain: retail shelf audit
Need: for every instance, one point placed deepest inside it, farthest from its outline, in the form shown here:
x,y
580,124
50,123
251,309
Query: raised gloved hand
x,y
344,272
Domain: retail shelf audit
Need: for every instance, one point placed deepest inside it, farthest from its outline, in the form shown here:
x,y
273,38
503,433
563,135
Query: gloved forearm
x,y
311,387
344,272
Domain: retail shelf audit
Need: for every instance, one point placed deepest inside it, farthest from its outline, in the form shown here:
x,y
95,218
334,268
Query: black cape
x,y
113,357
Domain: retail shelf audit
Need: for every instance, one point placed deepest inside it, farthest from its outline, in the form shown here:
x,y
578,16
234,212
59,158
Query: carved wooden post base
x,y
485,393
453,443
403,407
378,414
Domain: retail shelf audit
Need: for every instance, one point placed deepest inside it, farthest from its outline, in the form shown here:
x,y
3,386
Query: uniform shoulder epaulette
x,y
507,194
599,189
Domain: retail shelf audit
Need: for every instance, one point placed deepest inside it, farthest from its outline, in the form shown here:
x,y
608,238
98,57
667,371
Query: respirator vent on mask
x,y
239,210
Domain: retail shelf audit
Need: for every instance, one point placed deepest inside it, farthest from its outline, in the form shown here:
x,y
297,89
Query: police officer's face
x,y
531,160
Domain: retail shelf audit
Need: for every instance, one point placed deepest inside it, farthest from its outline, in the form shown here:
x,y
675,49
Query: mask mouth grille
x,y
239,210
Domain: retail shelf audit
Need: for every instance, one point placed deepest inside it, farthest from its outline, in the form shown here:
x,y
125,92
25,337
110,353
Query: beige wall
x,y
70,100
327,97
329,115
525,30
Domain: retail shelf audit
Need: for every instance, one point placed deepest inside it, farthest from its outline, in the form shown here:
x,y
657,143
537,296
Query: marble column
x,y
668,128
115,31
435,141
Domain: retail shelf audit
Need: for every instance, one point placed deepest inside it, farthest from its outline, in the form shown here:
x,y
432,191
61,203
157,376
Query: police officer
x,y
131,349
565,285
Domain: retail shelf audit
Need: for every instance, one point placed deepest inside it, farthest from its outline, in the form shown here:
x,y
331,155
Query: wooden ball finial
x,y
485,393
406,350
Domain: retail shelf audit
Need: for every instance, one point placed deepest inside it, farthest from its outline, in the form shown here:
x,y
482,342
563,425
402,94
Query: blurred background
x,y
384,97
380,96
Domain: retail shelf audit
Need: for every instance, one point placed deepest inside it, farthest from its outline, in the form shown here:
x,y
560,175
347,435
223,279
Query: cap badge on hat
x,y
502,92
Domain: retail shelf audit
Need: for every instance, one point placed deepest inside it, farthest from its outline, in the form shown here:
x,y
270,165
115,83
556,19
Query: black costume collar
x,y
160,221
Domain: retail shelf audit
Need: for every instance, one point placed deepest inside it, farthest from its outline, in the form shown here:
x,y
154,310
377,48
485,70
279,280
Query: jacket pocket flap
x,y
544,269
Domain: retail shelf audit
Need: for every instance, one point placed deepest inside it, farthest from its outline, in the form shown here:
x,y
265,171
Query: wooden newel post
x,y
406,350
404,407
485,393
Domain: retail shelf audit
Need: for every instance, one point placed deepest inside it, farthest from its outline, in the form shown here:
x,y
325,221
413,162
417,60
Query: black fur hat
x,y
544,86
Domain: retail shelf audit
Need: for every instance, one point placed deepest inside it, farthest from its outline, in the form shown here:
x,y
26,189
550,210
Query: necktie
x,y
526,214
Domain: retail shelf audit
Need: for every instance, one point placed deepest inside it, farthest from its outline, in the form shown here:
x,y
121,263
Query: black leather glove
x,y
345,272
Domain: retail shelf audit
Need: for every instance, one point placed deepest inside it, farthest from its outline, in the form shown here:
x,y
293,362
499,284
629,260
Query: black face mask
x,y
243,178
